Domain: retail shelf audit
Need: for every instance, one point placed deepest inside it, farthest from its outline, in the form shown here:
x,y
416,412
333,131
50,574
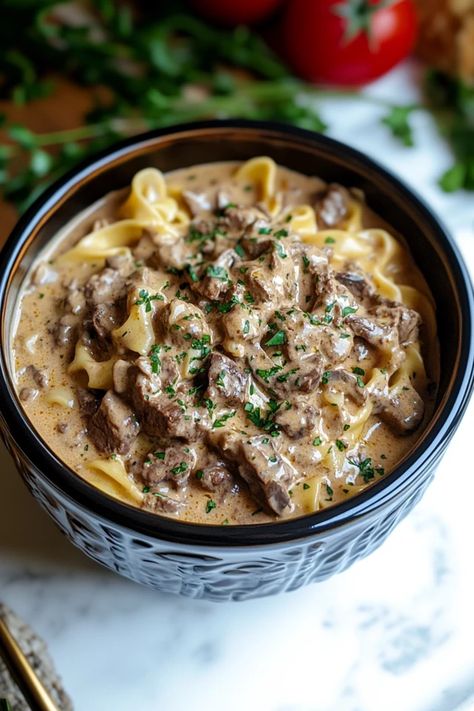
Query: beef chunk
x,y
183,323
161,503
217,479
28,394
39,377
342,381
333,206
373,332
113,427
107,317
122,263
226,380
403,411
216,280
239,218
268,475
159,415
297,420
105,287
358,286
402,319
65,330
88,401
173,464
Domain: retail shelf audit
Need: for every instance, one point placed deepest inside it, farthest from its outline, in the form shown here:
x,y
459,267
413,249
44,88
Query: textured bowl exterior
x,y
219,574
238,562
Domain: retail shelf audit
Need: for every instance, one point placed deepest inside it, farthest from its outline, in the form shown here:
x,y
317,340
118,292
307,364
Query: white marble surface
x,y
393,633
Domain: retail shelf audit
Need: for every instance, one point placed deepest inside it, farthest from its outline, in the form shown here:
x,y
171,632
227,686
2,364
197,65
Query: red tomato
x,y
348,42
238,12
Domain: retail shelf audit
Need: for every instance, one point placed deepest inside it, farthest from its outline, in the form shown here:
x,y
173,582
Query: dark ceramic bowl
x,y
238,562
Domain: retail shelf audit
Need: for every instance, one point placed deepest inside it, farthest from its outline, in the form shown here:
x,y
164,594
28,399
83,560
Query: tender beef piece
x,y
402,412
122,263
332,207
226,380
342,381
120,376
64,331
303,376
113,427
358,286
107,317
173,254
39,377
105,287
298,420
256,244
268,475
239,218
75,298
161,416
174,465
145,248
215,282
399,317
272,280
372,331
88,401
218,479
28,394
160,503
196,202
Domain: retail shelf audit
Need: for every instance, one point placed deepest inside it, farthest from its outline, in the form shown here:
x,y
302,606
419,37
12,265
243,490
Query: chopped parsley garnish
x,y
330,492
277,339
346,427
329,240
217,273
266,374
246,328
325,377
306,262
360,382
281,252
220,422
284,376
155,359
193,275
170,390
358,371
341,445
306,486
288,218
159,455
281,233
199,474
265,231
366,469
146,489
347,310
317,441
227,306
280,316
220,382
179,469
146,299
248,297
240,250
211,504
263,420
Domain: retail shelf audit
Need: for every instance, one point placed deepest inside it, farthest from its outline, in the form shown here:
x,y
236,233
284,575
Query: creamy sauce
x,y
298,321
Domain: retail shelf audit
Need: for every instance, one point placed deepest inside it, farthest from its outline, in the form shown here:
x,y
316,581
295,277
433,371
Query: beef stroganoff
x,y
228,343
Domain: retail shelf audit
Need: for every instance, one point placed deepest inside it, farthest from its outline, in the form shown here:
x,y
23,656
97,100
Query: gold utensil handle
x,y
23,673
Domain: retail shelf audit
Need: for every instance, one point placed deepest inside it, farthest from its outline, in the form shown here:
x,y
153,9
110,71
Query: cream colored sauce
x,y
55,406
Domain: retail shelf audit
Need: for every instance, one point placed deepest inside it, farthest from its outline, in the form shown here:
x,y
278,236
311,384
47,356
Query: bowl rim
x,y
424,455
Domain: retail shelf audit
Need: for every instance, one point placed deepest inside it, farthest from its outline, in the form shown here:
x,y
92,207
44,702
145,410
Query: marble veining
x,y
392,633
